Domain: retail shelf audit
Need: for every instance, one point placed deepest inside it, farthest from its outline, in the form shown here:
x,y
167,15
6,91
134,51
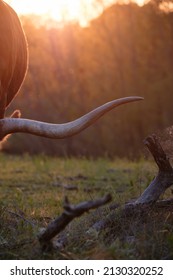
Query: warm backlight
x,y
63,10
60,10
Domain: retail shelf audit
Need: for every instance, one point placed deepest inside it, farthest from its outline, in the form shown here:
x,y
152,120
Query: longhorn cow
x,y
13,68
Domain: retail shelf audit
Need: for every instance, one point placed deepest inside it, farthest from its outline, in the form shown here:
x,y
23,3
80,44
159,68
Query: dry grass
x,y
32,190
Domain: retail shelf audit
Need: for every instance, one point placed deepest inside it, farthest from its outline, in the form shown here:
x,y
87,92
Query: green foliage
x,y
32,190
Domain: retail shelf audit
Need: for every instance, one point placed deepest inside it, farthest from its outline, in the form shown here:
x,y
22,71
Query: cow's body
x,y
13,55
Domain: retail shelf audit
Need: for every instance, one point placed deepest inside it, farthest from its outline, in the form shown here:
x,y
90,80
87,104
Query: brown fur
x,y
13,55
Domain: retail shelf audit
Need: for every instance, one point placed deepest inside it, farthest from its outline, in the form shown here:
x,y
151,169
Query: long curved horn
x,y
59,131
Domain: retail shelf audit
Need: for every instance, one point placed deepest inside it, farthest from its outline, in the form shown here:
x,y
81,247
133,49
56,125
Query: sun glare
x,y
56,7
60,10
63,10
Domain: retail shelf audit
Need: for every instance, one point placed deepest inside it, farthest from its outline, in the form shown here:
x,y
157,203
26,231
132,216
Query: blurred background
x,y
80,59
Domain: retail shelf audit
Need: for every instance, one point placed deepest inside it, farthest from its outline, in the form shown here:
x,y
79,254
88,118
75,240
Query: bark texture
x,y
70,213
164,178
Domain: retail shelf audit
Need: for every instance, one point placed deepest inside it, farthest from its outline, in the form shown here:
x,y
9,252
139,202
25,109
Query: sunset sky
x,y
63,10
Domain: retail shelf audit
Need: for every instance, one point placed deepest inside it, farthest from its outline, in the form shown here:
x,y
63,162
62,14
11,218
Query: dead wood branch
x,y
70,213
155,148
164,178
148,200
132,211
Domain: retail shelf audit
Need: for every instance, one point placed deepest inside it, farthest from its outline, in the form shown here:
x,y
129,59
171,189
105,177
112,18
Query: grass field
x,y
32,191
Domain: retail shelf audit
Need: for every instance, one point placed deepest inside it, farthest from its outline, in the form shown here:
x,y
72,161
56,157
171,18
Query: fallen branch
x,y
132,210
164,178
148,199
70,212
